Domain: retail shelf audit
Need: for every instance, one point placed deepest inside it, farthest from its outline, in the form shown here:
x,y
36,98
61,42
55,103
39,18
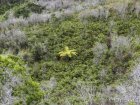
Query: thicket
x,y
94,62
17,87
5,5
106,49
26,9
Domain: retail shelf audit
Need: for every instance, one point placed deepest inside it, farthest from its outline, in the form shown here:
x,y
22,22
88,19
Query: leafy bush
x,y
13,40
96,62
11,68
25,10
39,51
8,4
16,81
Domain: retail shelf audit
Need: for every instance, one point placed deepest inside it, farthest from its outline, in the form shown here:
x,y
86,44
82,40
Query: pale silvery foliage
x,y
41,2
68,12
85,14
137,8
120,94
106,95
13,21
137,42
100,12
22,21
37,18
44,87
68,8
120,41
10,14
18,35
67,3
89,13
136,73
104,12
47,87
95,13
103,73
92,2
52,83
10,82
78,8
55,4
87,92
33,18
15,35
99,51
124,93
67,102
119,45
130,90
6,23
72,5
50,4
121,8
58,14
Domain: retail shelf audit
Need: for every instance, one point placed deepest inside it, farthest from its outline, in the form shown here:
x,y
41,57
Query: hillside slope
x,y
77,52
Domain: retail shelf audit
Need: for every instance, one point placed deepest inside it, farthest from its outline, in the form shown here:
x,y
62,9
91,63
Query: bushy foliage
x,y
13,39
97,63
39,51
15,82
106,39
5,5
25,10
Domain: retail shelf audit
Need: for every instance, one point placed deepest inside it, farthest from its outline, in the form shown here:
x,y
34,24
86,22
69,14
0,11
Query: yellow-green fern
x,y
67,52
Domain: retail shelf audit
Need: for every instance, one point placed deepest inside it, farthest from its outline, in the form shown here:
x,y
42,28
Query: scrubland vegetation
x,y
69,52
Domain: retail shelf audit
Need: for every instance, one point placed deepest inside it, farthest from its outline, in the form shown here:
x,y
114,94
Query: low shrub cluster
x,y
25,10
103,46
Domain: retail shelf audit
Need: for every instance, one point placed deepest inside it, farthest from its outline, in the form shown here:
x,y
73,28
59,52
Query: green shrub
x,y
39,51
131,103
35,8
26,9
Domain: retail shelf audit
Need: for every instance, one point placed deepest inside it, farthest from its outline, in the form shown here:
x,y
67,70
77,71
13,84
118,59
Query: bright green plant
x,y
67,52
13,67
131,103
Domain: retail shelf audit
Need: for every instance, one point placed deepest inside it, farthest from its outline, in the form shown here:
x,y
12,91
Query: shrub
x,y
38,18
39,51
16,84
27,9
120,46
22,12
121,8
11,68
137,8
99,52
35,8
14,39
12,21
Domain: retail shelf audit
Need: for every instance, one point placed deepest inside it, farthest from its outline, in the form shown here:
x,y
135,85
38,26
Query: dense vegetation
x,y
53,53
